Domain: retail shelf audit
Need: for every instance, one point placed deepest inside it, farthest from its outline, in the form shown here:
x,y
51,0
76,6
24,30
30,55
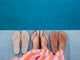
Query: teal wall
x,y
39,14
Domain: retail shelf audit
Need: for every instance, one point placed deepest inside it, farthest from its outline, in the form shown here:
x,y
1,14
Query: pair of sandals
x,y
20,38
58,42
39,40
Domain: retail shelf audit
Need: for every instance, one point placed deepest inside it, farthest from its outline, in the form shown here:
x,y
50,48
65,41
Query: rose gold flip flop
x,y
62,40
35,39
44,40
54,41
16,42
25,41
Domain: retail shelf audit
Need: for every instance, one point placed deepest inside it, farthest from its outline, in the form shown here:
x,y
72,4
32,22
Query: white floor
x,y
71,51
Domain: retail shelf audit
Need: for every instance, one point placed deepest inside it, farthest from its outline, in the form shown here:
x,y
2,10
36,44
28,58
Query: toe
x,y
37,33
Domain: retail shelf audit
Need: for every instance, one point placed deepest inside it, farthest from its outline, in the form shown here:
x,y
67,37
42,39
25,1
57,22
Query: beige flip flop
x,y
35,39
62,40
24,41
16,42
44,40
54,41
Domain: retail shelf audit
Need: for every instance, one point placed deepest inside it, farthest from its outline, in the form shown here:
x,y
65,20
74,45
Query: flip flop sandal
x,y
54,41
35,39
62,40
16,42
25,41
44,40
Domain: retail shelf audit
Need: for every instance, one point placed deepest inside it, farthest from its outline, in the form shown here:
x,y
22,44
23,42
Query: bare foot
x,y
25,41
16,42
54,41
44,40
62,40
35,39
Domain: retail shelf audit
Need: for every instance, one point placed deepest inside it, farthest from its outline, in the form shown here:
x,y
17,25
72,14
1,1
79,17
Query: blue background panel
x,y
40,14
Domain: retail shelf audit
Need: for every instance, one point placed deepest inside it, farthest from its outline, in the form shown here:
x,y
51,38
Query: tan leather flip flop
x,y
62,40
24,41
54,41
16,42
44,40
35,39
